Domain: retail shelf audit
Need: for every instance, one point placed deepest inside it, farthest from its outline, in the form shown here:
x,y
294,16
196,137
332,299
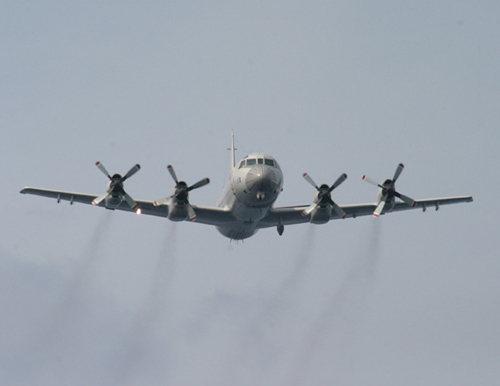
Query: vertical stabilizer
x,y
232,151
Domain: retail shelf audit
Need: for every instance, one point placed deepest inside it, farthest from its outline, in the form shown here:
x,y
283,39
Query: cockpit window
x,y
257,161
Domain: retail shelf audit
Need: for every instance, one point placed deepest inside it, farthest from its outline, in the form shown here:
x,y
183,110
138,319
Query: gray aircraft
x,y
247,201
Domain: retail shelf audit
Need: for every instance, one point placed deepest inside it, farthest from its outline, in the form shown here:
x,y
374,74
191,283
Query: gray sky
x,y
94,297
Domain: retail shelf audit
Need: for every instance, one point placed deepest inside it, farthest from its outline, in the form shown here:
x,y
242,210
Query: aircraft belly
x,y
239,230
250,214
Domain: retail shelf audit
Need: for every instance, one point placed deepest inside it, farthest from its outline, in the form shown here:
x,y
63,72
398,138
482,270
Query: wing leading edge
x,y
222,217
147,207
291,215
204,214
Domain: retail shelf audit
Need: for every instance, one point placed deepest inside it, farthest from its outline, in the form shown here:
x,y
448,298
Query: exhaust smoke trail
x,y
346,307
140,339
289,287
58,326
301,263
76,287
257,340
274,313
73,297
163,277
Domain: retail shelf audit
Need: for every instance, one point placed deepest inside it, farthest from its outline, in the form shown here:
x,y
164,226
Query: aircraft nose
x,y
262,181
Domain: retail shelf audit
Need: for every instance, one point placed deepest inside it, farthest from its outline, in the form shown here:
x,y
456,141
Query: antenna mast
x,y
232,150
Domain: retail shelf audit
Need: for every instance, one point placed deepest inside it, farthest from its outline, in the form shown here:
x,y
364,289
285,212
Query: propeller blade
x,y
172,173
101,167
380,207
398,172
130,201
131,172
308,210
373,182
199,184
191,212
340,212
163,201
341,179
99,199
408,200
310,180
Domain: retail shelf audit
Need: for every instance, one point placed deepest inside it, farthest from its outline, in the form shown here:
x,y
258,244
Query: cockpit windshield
x,y
256,161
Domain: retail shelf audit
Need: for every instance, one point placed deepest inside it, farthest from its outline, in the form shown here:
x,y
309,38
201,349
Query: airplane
x,y
246,204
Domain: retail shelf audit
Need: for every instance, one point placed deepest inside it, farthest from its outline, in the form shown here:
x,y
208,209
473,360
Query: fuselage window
x,y
269,162
261,161
251,161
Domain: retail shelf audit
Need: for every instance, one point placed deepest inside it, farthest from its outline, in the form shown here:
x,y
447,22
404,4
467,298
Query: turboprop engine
x,y
179,208
387,193
321,209
115,194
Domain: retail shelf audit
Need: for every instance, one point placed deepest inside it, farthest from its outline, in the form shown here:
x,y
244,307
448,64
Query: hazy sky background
x,y
90,296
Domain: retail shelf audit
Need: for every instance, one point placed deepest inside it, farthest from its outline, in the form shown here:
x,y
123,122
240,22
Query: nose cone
x,y
262,183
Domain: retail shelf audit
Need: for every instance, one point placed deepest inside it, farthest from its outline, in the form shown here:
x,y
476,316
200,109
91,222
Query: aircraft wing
x,y
147,207
290,215
213,216
204,214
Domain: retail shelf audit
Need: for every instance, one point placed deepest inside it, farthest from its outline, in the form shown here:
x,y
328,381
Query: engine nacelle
x,y
389,203
113,202
321,214
177,211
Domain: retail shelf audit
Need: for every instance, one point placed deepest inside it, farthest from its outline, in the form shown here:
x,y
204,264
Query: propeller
x,y
116,185
324,195
181,193
389,191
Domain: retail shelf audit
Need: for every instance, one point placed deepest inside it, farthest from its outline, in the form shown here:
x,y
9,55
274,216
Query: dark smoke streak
x,y
302,261
59,324
282,302
258,335
76,289
140,339
346,306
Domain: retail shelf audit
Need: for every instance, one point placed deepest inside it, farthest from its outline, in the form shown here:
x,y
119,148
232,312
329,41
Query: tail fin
x,y
232,151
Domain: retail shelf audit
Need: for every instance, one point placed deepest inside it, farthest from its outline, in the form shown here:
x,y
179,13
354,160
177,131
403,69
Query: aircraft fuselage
x,y
253,187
